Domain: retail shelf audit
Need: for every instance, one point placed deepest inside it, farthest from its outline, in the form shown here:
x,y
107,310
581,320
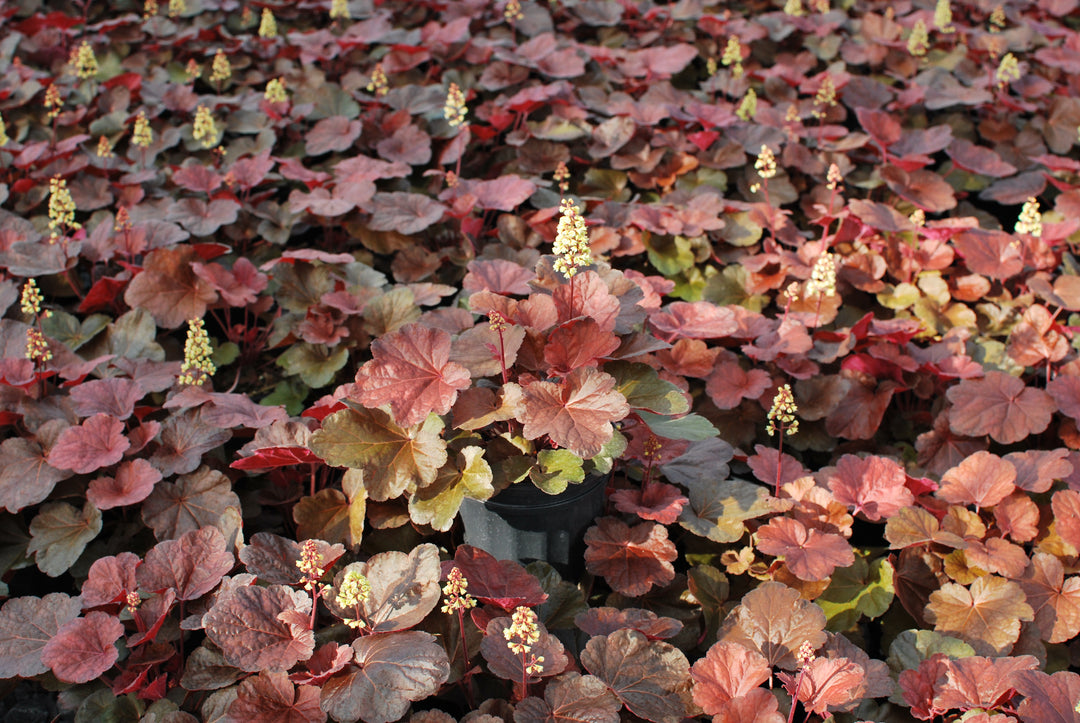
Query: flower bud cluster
x,y
1030,221
197,366
455,111
823,276
456,592
782,414
571,241
267,24
61,208
83,62
204,130
522,634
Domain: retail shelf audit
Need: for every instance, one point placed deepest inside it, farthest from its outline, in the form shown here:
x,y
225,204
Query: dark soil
x,y
27,702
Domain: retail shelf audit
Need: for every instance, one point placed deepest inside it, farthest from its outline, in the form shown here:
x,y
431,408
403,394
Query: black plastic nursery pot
x,y
524,524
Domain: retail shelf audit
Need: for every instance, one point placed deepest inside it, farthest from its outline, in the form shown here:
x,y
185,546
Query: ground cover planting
x,y
285,286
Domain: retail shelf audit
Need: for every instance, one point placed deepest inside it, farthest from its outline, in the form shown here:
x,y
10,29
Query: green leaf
x,y
911,647
393,459
864,589
71,332
669,254
719,510
900,296
692,427
469,475
711,589
225,354
644,389
611,451
565,600
315,364
102,706
59,533
289,393
555,469
740,230
729,287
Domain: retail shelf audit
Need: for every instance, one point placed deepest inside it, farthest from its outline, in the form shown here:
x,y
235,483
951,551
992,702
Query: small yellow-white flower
x,y
339,9
61,208
204,129
196,367
782,414
919,40
83,62
1008,70
220,68
275,91
1030,220
31,298
3,132
267,24
141,135
732,56
823,276
571,241
747,106
765,163
454,111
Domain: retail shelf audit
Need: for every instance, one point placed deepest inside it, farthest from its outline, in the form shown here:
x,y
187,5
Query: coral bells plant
x,y
542,381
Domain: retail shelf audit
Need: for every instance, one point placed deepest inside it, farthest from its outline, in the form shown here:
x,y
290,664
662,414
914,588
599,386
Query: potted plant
x,y
518,407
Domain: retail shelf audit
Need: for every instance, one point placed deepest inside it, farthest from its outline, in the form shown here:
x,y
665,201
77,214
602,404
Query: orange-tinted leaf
x,y
507,664
999,405
926,189
983,480
1066,506
499,276
59,534
875,486
990,253
83,648
273,558
590,298
657,501
195,500
246,624
270,697
404,588
757,706
326,661
987,616
920,686
26,477
729,384
134,481
727,671
647,676
571,698
825,682
390,672
98,442
978,682
915,526
1035,341
115,397
411,371
810,554
631,559
775,621
997,556
26,626
1047,698
575,413
393,458
1017,516
192,565
168,288
184,439
578,343
605,620
406,213
1038,469
1055,599
693,320
504,583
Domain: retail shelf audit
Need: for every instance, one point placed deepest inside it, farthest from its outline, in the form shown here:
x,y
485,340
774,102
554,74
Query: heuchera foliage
x,y
283,284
